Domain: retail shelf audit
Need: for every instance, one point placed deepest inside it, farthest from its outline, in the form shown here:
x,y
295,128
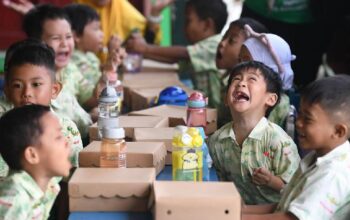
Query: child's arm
x,y
164,54
263,177
274,216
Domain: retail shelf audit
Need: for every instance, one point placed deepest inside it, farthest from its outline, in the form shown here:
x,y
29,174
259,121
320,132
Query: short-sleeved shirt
x,y
66,105
22,198
73,80
266,146
204,73
320,188
88,64
69,130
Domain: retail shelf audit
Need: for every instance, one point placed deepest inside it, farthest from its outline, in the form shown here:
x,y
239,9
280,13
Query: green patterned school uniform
x,y
21,197
73,80
202,68
320,187
266,146
88,64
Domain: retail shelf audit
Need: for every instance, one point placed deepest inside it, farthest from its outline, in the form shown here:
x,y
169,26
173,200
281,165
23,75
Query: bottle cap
x,y
113,133
108,95
196,100
172,95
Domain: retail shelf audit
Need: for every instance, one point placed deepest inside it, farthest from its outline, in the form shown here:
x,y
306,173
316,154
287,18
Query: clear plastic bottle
x,y
113,148
108,110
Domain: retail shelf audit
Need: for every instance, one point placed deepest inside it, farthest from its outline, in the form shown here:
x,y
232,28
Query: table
x,y
164,175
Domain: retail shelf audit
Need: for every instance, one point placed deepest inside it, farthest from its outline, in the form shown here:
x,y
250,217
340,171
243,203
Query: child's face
x,y
315,128
229,48
248,93
91,39
53,149
58,35
30,84
194,26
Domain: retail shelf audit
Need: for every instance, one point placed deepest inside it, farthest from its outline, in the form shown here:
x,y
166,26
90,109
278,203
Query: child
x,y
51,24
88,38
257,155
30,79
227,56
32,144
203,24
320,187
274,52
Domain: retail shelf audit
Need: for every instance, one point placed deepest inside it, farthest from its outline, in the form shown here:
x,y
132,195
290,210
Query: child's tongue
x,y
61,56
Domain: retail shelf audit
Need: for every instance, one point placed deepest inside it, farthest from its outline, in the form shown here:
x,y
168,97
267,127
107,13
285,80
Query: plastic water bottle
x,y
197,117
108,109
113,148
196,111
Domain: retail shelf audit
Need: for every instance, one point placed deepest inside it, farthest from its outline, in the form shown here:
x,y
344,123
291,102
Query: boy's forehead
x,y
51,26
249,70
29,70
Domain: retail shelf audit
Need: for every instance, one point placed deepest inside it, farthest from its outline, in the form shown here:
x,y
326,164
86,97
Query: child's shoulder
x,y
222,132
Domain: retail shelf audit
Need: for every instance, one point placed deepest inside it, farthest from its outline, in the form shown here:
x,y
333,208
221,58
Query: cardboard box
x,y
138,154
155,66
147,80
164,135
146,97
110,189
131,122
177,115
196,200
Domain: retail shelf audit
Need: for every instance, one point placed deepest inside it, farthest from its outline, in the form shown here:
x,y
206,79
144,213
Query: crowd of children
x,y
52,81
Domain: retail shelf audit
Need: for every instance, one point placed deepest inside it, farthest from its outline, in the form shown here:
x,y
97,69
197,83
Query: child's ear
x,y
271,99
31,155
56,89
209,24
76,38
341,131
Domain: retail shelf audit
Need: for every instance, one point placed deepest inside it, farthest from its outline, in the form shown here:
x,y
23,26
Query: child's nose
x,y
27,92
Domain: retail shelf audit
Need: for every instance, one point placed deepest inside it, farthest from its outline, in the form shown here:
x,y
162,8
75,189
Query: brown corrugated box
x,y
177,115
110,189
138,154
146,97
147,80
155,66
196,200
131,122
164,135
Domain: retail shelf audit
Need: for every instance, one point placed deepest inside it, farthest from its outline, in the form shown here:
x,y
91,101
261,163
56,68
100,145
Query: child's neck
x,y
243,126
40,178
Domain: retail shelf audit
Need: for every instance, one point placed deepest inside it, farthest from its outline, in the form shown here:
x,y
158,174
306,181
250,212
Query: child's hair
x,y
214,9
34,20
80,16
272,79
29,51
332,94
254,24
20,128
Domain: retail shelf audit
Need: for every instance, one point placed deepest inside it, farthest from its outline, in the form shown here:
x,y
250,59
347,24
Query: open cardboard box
x,y
164,135
143,98
177,115
196,200
138,154
131,122
110,189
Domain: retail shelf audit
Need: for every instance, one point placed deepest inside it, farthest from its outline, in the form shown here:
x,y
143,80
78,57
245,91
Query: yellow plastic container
x,y
187,155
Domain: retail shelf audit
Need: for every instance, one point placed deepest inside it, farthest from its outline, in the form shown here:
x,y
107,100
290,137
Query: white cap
x,y
113,132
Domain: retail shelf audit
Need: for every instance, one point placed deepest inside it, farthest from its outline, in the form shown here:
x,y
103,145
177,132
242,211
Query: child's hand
x,y
114,43
21,6
261,176
136,43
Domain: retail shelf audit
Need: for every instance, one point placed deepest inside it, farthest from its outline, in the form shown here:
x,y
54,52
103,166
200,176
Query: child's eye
x,y
16,85
231,40
36,84
252,79
69,36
